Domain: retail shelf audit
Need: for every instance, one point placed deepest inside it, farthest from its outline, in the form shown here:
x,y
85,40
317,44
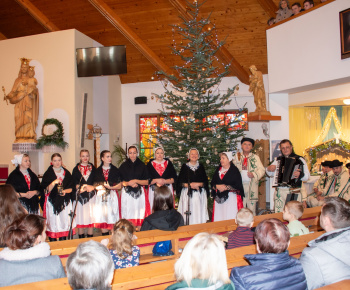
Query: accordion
x,y
284,174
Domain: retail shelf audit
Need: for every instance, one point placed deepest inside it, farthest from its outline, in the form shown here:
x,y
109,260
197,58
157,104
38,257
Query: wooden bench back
x,y
179,238
160,275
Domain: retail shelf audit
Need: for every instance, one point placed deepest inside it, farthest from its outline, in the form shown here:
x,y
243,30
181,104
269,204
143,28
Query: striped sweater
x,y
242,236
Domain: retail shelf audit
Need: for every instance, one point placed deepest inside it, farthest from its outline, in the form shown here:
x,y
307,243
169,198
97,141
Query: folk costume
x,y
337,185
134,200
107,207
85,208
24,181
198,198
164,169
320,185
281,192
245,164
227,203
57,208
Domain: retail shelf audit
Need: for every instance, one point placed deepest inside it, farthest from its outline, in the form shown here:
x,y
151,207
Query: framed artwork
x,y
344,17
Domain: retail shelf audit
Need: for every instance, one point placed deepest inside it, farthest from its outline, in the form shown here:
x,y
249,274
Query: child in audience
x,y
202,265
121,247
90,267
293,210
243,235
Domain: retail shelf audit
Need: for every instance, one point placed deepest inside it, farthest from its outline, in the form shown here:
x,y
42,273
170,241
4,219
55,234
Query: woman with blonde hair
x,y
121,247
202,265
10,209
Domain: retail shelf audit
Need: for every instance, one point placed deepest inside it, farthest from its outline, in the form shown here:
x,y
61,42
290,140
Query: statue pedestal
x,y
51,149
24,147
264,116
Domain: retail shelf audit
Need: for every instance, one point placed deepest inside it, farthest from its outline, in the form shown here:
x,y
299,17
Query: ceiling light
x,y
346,101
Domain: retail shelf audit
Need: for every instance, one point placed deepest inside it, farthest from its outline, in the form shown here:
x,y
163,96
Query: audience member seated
x,y
284,11
271,21
243,235
121,247
272,267
10,209
327,259
164,216
296,8
202,265
27,257
308,4
90,267
293,211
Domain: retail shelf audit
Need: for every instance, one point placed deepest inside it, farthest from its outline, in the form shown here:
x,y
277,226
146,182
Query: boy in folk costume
x,y
252,170
320,184
335,184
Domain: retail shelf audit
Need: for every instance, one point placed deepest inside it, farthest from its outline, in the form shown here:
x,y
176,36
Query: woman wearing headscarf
x,y
193,184
161,172
226,189
134,200
25,183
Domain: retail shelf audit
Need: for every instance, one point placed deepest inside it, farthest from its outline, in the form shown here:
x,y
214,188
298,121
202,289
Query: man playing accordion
x,y
288,187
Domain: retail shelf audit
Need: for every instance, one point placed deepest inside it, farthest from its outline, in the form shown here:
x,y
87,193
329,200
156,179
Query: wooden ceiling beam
x,y
2,37
119,24
225,56
269,6
38,15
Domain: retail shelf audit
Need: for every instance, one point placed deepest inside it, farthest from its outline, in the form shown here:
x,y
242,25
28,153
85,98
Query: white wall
x,y
131,111
61,92
325,94
304,53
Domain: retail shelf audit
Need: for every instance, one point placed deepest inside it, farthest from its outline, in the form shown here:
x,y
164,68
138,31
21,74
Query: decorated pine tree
x,y
192,104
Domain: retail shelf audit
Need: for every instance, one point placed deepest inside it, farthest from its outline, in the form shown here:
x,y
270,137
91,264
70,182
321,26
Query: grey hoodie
x,y
327,259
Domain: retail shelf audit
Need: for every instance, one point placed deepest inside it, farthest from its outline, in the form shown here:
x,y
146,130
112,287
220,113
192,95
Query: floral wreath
x,y
56,138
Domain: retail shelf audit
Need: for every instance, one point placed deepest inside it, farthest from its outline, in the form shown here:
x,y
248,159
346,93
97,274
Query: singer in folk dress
x,y
134,200
227,189
58,202
161,172
252,170
107,203
26,183
84,177
193,174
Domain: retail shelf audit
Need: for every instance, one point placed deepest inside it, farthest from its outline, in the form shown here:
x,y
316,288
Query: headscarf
x,y
159,147
17,160
188,154
229,155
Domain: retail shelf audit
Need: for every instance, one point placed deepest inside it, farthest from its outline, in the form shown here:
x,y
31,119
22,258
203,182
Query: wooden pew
x,y
342,285
160,275
179,238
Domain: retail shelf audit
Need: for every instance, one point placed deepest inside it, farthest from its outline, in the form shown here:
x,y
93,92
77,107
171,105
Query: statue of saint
x,y
25,96
256,86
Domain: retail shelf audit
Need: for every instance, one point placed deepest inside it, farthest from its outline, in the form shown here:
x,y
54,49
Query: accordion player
x,y
285,169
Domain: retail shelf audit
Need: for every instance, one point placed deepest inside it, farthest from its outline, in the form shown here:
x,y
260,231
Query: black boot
x,y
105,234
62,238
81,236
90,236
52,239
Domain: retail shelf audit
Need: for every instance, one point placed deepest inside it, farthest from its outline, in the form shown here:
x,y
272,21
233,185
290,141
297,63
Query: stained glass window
x,y
150,125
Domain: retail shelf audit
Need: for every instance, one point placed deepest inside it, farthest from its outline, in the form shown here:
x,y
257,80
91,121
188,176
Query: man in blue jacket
x,y
327,259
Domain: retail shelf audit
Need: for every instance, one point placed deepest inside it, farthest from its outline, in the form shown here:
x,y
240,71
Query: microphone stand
x,y
73,212
189,195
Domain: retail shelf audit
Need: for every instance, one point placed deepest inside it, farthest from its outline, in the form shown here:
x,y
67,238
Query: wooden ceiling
x,y
144,27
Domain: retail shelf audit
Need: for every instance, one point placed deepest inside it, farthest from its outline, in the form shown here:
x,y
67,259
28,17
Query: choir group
x,y
106,194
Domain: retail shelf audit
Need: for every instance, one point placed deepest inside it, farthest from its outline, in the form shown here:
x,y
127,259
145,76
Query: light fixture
x,y
346,101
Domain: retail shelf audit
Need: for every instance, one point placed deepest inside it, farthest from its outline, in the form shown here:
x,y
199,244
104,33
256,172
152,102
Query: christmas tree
x,y
192,105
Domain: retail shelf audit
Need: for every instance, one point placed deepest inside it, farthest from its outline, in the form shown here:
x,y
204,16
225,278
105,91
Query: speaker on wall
x,y
140,100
